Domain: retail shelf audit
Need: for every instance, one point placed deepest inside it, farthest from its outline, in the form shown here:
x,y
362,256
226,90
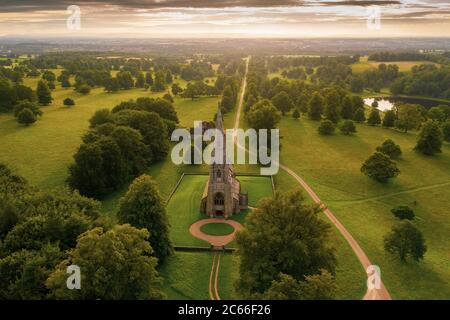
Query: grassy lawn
x,y
186,275
217,229
331,166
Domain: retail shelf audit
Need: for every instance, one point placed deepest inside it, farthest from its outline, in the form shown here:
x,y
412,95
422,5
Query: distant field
x,y
331,165
404,66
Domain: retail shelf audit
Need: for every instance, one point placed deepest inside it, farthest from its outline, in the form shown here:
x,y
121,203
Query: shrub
x,y
347,127
403,212
390,148
326,127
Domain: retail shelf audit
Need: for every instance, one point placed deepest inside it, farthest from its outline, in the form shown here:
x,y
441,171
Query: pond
x,y
387,103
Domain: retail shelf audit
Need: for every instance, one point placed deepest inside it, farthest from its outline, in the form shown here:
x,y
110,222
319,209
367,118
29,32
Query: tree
x,y
176,89
446,131
169,77
159,84
48,76
22,92
315,106
263,115
140,80
357,84
26,117
116,265
23,273
296,114
152,128
282,102
409,116
27,105
405,240
430,139
9,217
125,80
168,97
282,225
191,91
332,106
326,127
84,89
86,174
436,114
374,117
43,93
112,85
347,108
380,167
403,212
359,115
347,127
100,117
315,287
389,119
390,148
143,207
149,78
69,102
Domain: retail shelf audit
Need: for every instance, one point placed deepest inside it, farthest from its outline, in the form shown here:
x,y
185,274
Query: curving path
x,y
215,241
371,294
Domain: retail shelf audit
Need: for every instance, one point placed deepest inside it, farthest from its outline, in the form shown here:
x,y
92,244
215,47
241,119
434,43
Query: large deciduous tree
x,y
115,265
380,167
263,115
430,138
43,93
143,207
405,240
284,235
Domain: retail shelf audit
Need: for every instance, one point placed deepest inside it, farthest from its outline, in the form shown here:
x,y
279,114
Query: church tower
x,y
222,196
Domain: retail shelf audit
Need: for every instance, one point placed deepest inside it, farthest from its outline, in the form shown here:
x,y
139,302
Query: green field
x,y
330,164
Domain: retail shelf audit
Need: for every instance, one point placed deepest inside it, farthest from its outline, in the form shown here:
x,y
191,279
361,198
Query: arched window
x,y
219,199
219,174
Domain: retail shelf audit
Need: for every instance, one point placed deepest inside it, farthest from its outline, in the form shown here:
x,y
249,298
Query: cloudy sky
x,y
227,18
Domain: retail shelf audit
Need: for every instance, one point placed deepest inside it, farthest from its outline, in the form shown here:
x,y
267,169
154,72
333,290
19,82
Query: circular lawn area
x,y
217,229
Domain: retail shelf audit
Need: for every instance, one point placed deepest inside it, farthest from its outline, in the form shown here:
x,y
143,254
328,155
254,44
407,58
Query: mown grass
x,y
186,275
331,165
217,229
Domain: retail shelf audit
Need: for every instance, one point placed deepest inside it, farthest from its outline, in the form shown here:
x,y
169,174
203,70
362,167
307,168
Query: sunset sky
x,y
226,18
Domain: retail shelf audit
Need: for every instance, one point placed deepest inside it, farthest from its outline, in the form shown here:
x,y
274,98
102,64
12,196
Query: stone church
x,y
222,196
